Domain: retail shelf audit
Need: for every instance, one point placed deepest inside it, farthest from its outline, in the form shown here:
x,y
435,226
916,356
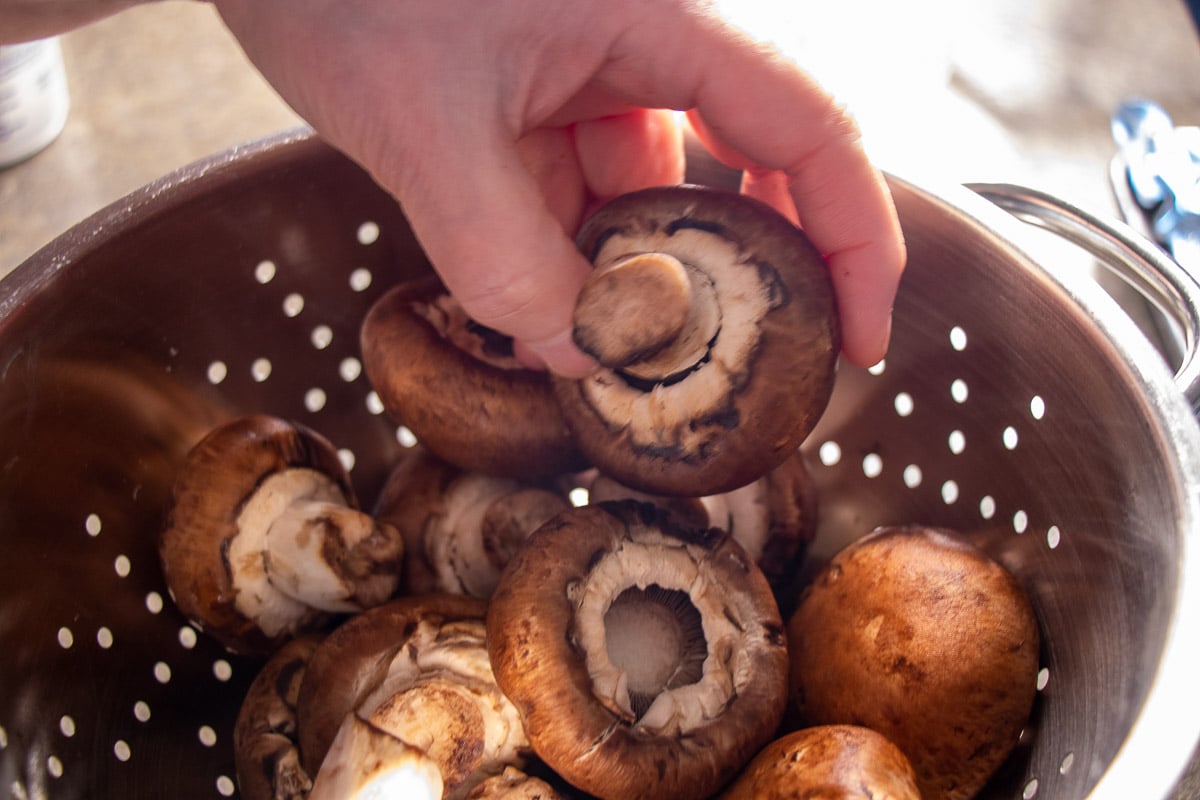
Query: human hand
x,y
496,123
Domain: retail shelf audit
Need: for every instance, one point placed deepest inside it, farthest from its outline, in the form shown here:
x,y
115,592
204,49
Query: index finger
x,y
753,104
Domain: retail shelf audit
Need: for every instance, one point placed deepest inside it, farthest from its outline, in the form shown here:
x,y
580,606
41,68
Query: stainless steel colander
x,y
1018,405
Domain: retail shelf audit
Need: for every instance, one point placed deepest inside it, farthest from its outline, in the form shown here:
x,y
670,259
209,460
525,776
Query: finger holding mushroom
x,y
460,528
415,670
434,369
773,518
264,539
715,322
847,762
647,658
266,744
919,635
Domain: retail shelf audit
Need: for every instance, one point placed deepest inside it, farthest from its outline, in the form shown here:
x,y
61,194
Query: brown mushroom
x,y
266,747
458,388
417,670
263,537
367,763
773,518
715,321
460,528
846,762
919,635
647,659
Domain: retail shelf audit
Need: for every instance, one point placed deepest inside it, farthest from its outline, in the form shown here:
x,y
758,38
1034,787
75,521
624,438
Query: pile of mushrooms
x,y
573,587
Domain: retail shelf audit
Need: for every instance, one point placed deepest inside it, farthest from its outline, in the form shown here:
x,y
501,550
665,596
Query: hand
x,y
495,123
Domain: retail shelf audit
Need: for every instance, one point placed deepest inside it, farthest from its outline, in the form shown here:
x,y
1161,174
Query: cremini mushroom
x,y
847,762
773,518
715,322
458,388
417,670
918,634
266,746
460,527
367,763
647,658
263,537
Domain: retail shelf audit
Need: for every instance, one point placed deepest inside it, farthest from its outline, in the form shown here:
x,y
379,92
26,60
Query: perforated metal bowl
x,y
1017,405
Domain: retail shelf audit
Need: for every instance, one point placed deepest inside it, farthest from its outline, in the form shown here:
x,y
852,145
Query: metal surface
x,y
1017,405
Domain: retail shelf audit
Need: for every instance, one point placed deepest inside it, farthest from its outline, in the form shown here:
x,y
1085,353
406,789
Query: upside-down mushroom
x,y
918,634
846,762
647,658
774,517
264,539
460,528
434,369
266,746
415,670
715,322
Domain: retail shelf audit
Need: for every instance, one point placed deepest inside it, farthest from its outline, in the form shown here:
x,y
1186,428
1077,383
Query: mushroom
x,y
916,633
773,518
434,368
460,528
263,537
647,658
367,763
417,670
715,323
848,762
513,784
265,744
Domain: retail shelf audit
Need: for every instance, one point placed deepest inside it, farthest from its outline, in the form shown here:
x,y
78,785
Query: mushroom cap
x,y
213,484
839,762
766,374
266,748
921,636
431,385
354,671
540,653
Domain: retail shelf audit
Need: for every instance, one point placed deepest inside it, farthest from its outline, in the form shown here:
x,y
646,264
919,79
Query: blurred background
x,y
992,90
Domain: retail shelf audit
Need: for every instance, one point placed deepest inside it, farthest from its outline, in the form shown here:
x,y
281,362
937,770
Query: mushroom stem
x,y
301,546
648,315
365,762
332,557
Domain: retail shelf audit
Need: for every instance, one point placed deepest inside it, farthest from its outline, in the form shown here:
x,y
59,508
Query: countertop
x,y
995,90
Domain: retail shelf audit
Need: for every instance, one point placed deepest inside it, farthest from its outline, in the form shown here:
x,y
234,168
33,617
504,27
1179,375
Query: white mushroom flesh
x,y
453,540
654,560
436,659
278,572
744,514
664,415
365,763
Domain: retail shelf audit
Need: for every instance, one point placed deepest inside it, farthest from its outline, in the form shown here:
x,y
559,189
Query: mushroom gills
x,y
279,559
656,638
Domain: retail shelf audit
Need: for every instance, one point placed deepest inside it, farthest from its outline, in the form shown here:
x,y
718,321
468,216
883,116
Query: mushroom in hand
x,y
715,322
847,762
647,658
264,540
460,528
921,636
414,670
457,386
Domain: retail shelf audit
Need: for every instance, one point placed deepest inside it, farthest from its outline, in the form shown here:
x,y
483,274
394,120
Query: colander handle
x,y
1168,286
